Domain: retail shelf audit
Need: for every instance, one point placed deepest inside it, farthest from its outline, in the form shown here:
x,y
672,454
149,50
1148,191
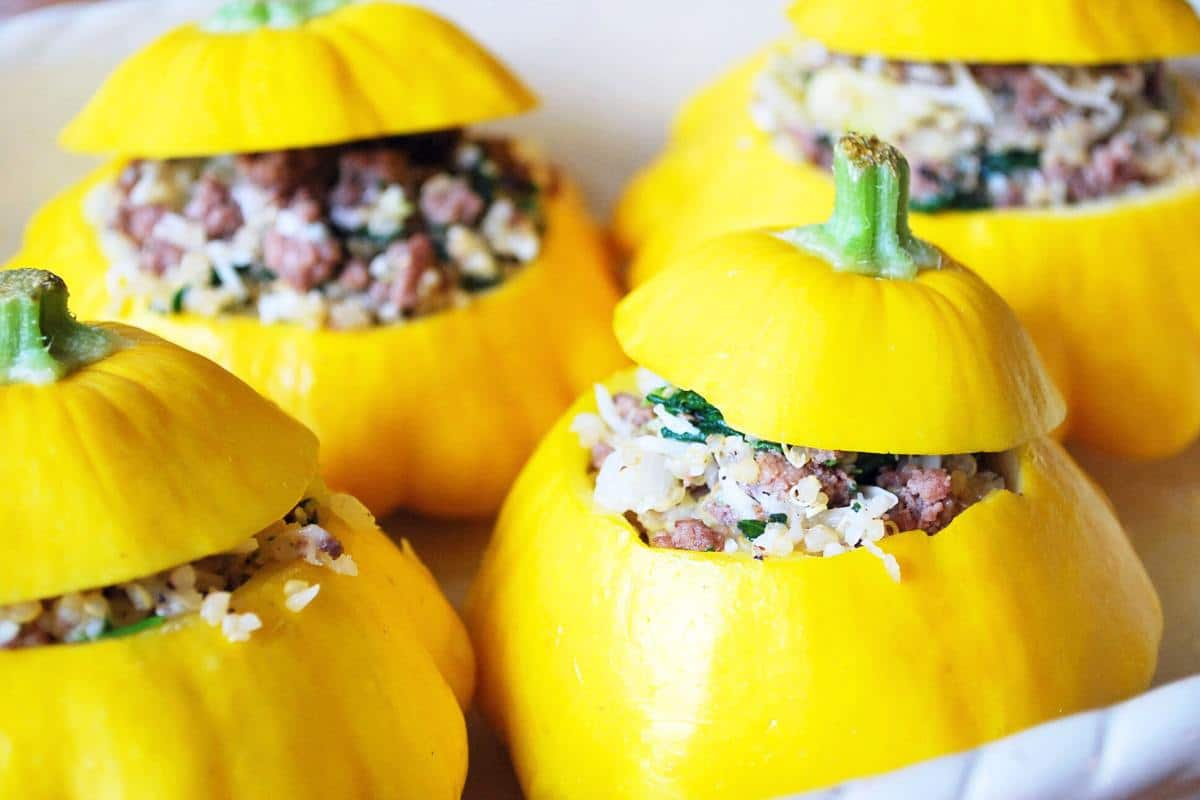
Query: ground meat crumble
x,y
665,458
204,586
349,236
985,135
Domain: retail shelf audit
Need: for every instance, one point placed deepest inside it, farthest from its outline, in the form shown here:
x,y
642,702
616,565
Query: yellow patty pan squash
x,y
126,455
437,414
1107,288
618,670
1053,32
276,75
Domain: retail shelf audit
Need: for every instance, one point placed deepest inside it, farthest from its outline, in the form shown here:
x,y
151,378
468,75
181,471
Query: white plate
x,y
1148,747
611,75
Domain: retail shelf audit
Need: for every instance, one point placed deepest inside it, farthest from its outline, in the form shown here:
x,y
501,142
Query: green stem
x,y
40,341
868,232
239,16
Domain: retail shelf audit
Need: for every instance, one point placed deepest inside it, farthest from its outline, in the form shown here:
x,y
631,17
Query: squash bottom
x,y
357,695
616,670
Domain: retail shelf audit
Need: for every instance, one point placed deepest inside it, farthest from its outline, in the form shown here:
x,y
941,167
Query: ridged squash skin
x,y
616,670
702,133
362,71
1050,32
355,696
793,350
140,456
78,456
435,415
1107,290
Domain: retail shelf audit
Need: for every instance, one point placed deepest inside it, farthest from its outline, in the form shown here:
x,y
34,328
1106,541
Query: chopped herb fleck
x,y
472,283
781,518
255,272
752,528
667,433
686,403
128,630
1010,161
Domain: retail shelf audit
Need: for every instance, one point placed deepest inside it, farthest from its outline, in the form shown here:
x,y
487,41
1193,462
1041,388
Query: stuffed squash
x,y
820,533
1058,152
297,196
185,611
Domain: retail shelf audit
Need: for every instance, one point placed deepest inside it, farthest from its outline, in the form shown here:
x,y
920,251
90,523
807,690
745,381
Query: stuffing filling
x,y
345,237
203,587
665,458
985,135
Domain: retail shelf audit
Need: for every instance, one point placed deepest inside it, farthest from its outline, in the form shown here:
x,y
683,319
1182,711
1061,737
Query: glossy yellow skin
x,y
151,456
661,191
79,509
1048,32
615,670
366,70
352,697
1107,290
763,330
436,415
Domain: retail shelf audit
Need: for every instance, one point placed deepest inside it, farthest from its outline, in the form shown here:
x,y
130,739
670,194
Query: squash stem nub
x,y
40,341
868,232
238,16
